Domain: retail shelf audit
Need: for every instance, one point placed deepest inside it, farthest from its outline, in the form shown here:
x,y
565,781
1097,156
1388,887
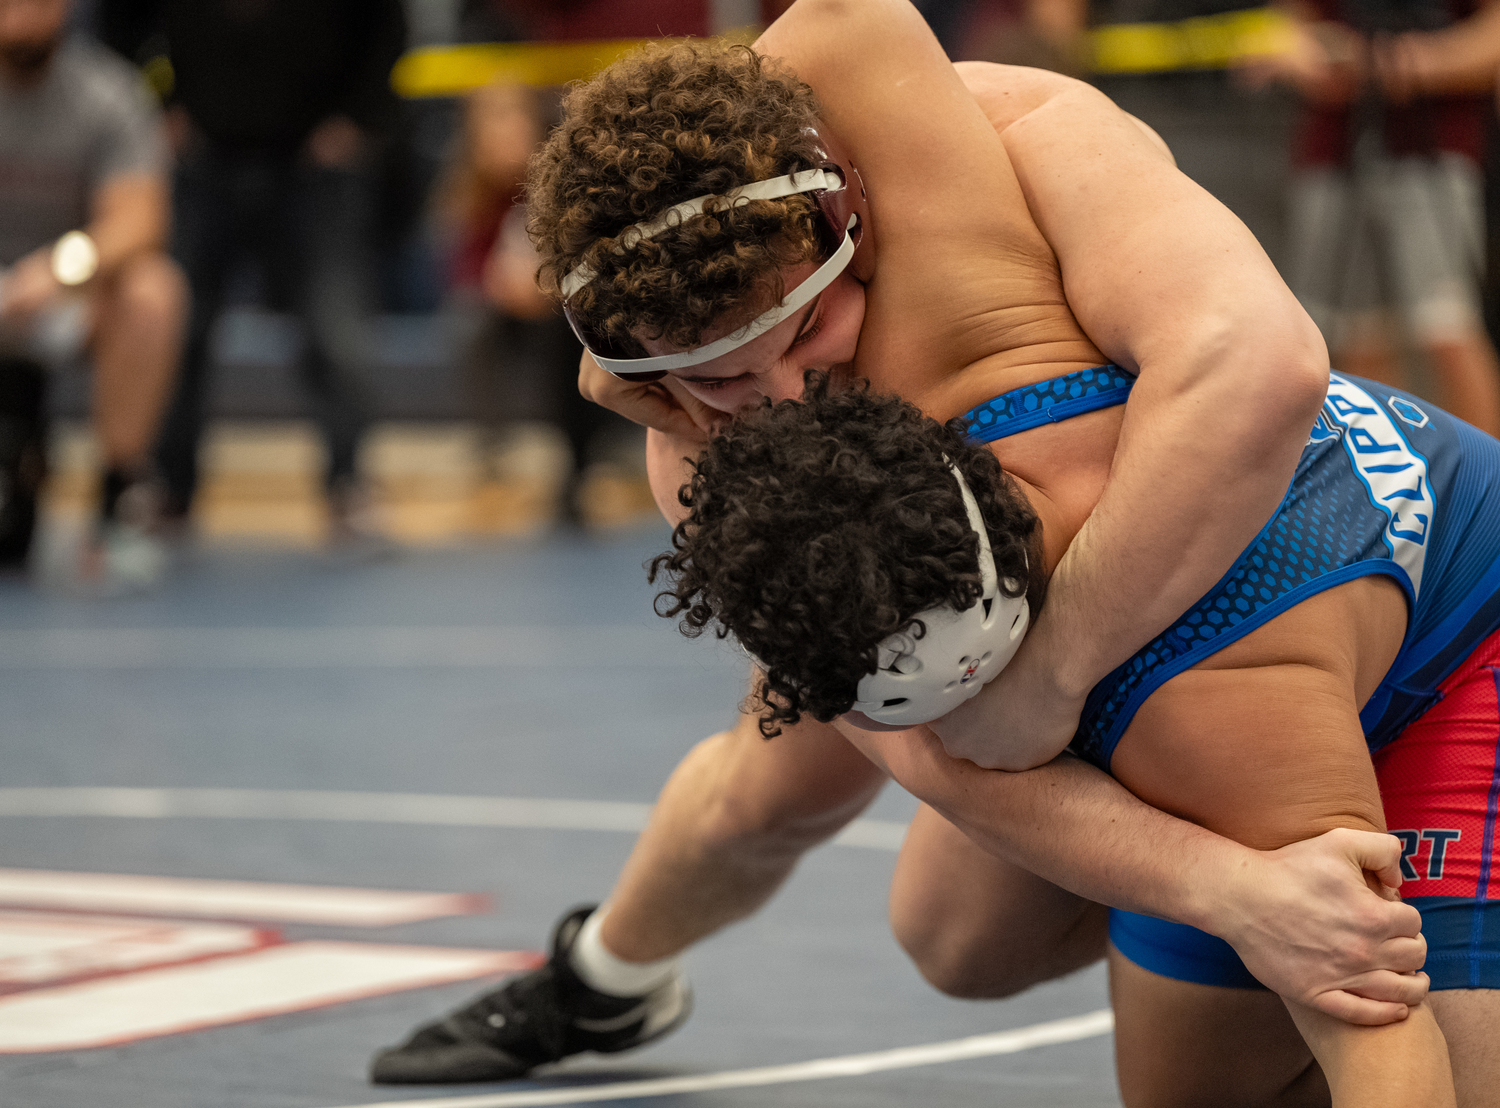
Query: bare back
x,y
1023,226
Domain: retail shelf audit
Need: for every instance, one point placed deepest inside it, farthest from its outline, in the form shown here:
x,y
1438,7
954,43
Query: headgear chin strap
x,y
920,679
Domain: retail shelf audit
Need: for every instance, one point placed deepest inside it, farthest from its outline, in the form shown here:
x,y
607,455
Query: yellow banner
x,y
1207,42
455,70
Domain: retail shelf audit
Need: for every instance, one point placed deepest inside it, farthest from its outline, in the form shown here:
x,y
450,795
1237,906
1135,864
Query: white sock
x,y
605,972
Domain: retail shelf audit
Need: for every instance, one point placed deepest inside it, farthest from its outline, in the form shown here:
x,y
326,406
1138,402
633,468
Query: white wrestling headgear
x,y
920,679
841,203
633,368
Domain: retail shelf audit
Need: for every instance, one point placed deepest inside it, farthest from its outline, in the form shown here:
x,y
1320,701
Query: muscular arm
x,y
128,215
1231,373
1262,745
1301,917
1462,58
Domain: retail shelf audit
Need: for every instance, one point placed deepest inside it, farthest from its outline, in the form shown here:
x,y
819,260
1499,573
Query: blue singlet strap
x,y
1048,402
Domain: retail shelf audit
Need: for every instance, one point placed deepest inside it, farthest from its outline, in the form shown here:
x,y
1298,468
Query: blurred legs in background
x,y
519,358
129,327
139,314
1391,254
23,456
309,228
537,429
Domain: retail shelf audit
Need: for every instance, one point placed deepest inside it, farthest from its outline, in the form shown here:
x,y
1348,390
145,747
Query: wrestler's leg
x,y
1470,1019
977,926
733,820
1179,1044
728,828
1437,780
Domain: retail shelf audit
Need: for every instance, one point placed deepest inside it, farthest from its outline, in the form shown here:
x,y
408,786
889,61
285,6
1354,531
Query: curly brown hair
x,y
819,527
663,125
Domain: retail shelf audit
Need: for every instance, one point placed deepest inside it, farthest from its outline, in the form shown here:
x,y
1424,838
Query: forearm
x,y
1460,59
1303,918
130,215
1074,826
1391,1066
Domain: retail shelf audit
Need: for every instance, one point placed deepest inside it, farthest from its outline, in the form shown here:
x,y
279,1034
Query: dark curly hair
x,y
663,125
819,527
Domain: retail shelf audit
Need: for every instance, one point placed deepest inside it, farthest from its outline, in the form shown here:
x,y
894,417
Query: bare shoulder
x,y
1006,93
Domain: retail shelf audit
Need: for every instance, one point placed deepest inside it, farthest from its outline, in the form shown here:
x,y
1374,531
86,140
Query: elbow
x,y
857,24
817,17
1290,359
966,734
1301,377
1274,376
830,11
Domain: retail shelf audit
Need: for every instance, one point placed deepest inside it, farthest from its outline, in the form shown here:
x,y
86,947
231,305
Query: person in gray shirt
x,y
84,214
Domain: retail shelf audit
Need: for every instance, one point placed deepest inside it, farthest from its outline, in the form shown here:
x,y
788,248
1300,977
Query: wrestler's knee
x,y
953,956
965,956
977,926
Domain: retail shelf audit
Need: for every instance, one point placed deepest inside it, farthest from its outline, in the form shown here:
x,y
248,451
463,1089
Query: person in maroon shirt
x,y
1386,197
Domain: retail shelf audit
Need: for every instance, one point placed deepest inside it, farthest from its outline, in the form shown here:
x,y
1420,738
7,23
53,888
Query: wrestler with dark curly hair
x,y
818,529
1285,701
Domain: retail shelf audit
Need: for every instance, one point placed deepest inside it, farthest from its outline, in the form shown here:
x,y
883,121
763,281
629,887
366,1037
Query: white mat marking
x,y
239,900
365,807
40,948
849,1065
269,982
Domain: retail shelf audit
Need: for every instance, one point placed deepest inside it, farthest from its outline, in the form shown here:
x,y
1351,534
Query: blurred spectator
x,y
277,109
1046,34
83,218
1171,63
1387,198
551,21
520,357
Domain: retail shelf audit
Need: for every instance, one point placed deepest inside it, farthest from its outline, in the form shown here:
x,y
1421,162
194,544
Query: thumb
x,y
705,418
1379,853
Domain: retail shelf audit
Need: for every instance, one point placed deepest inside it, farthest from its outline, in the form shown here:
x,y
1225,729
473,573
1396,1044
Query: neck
x,y
1060,519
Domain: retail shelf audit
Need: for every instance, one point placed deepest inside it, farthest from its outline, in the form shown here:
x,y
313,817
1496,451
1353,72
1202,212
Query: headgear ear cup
x,y
920,679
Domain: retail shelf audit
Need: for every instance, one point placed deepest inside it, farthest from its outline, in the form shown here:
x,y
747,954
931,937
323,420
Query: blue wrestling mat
x,y
267,821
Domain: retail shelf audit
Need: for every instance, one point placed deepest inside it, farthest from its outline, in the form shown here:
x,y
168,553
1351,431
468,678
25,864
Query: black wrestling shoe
x,y
542,1016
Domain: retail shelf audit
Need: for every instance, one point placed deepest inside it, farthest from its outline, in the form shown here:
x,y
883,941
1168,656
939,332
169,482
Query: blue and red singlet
x,y
1387,484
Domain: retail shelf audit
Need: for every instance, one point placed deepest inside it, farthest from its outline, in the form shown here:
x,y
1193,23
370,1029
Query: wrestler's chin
x,y
865,723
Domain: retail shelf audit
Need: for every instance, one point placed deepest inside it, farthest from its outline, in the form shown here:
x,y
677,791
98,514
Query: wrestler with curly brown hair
x,y
967,230
992,209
